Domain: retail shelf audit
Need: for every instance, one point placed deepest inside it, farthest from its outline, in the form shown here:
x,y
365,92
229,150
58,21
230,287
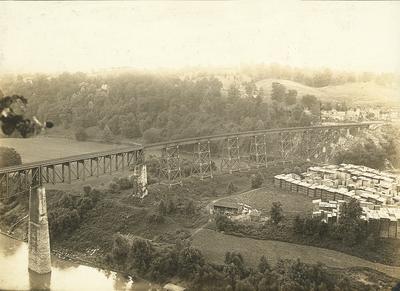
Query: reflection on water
x,y
39,281
14,274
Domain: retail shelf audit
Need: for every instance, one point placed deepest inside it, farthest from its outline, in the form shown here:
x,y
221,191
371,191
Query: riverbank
x,y
65,275
77,258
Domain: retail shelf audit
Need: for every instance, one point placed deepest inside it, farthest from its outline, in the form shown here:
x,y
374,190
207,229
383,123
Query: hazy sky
x,y
54,36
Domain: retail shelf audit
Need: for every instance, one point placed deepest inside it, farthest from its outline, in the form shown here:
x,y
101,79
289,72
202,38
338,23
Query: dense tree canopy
x,y
9,157
155,107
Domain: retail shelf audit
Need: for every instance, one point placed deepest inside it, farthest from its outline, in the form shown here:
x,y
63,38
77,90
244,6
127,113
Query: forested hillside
x,y
156,107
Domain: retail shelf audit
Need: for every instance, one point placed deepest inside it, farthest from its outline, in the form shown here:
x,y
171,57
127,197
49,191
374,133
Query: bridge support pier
x,y
202,163
258,150
38,232
170,166
231,160
140,180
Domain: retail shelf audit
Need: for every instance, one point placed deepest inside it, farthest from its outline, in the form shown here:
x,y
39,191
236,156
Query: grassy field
x,y
253,249
119,212
44,148
358,92
262,199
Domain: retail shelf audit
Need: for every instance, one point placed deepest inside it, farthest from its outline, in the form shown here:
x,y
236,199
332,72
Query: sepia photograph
x,y
200,145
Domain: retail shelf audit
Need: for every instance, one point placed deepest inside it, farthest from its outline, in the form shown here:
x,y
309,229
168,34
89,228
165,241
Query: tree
x,y
120,249
256,180
189,261
327,106
260,125
9,157
352,228
244,285
171,207
263,265
107,134
114,124
367,153
276,212
233,93
278,92
290,97
309,101
152,135
162,209
235,268
231,188
298,224
129,126
141,254
351,211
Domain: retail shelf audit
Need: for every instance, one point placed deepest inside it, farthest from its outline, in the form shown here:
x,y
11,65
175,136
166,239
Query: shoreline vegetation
x,y
76,258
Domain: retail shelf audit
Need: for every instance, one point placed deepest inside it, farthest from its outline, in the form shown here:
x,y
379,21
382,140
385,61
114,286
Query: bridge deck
x,y
192,140
69,159
185,141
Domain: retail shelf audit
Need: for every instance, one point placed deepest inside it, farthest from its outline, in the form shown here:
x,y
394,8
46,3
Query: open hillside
x,y
363,93
301,89
360,93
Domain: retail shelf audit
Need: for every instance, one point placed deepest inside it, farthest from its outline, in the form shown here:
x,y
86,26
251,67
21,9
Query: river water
x,y
65,275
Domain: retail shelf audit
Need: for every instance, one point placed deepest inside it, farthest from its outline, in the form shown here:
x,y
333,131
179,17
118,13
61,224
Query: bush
x,y
171,207
231,188
141,254
9,157
155,218
223,223
164,266
80,134
94,195
87,189
124,183
63,221
84,205
113,187
190,209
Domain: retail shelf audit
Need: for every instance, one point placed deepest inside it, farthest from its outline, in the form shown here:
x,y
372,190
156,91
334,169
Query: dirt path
x,y
214,245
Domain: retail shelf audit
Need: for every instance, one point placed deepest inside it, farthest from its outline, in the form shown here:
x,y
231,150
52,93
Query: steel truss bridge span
x,y
284,144
242,150
16,180
242,134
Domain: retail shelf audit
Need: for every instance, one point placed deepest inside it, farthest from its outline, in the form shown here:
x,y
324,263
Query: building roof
x,y
226,204
173,287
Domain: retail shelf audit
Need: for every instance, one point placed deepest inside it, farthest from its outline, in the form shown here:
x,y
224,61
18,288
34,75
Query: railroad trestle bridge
x,y
234,151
